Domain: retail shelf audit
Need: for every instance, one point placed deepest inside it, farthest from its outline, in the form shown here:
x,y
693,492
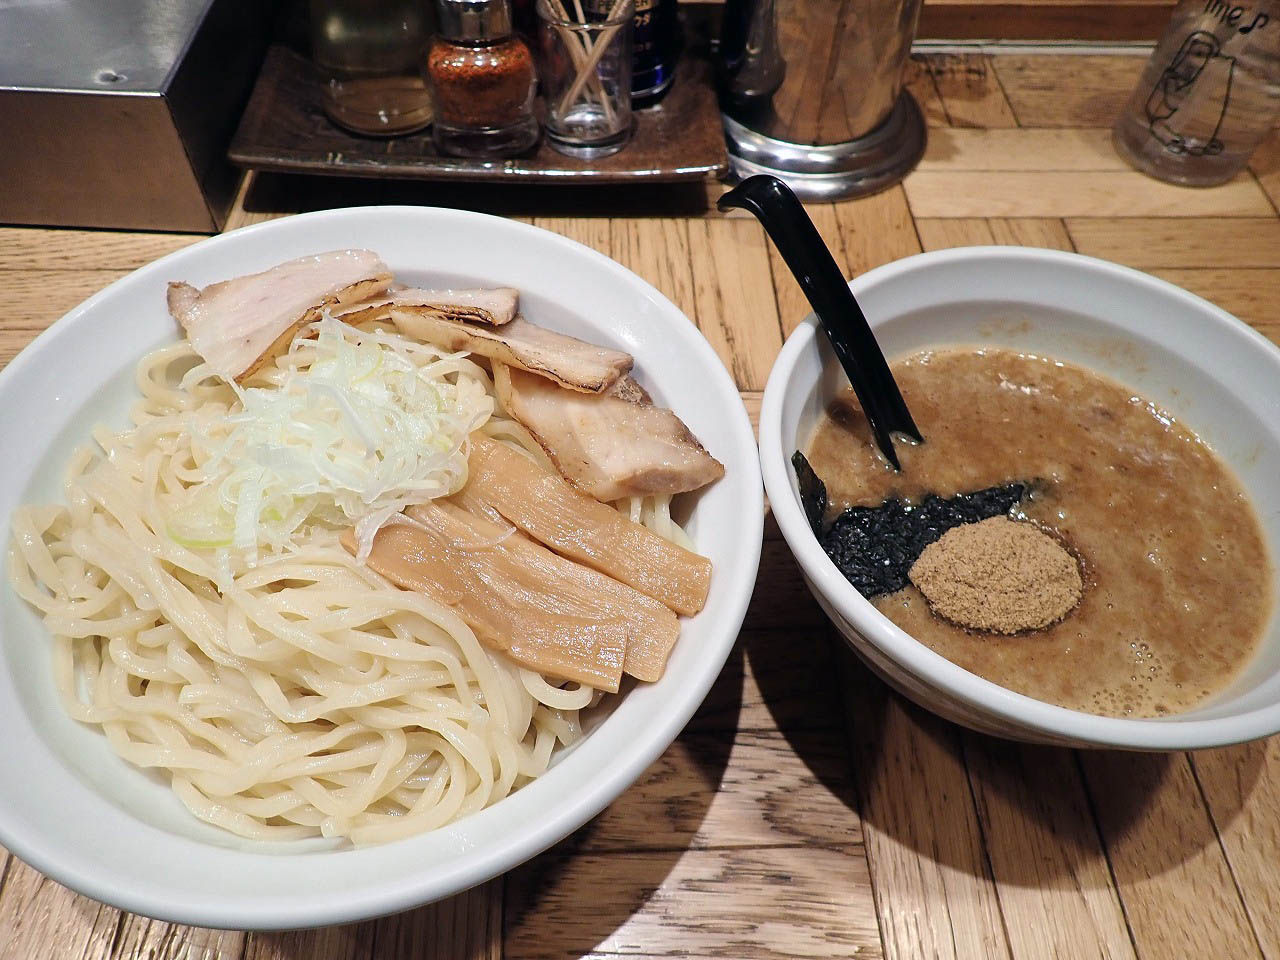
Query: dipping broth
x,y
1177,576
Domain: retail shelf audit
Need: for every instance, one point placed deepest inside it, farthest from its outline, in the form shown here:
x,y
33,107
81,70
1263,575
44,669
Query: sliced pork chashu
x,y
546,612
493,307
238,326
577,526
605,446
570,362
626,388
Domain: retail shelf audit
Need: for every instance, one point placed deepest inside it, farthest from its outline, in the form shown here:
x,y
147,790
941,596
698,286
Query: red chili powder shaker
x,y
482,80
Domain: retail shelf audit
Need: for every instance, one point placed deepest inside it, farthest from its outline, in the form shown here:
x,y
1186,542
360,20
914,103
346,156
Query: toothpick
x,y
578,47
595,51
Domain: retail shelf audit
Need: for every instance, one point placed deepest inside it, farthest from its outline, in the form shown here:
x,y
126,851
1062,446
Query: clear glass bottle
x,y
586,78
482,80
1209,94
368,53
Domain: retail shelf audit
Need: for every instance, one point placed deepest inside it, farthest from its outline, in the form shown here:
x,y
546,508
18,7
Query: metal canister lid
x,y
474,19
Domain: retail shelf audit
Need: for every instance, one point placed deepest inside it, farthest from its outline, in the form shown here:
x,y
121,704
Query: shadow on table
x,y
1029,814
1033,814
791,657
297,193
459,928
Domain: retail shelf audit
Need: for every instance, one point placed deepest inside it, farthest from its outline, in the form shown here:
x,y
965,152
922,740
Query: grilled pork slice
x,y
582,528
547,613
239,326
608,447
570,362
626,388
494,306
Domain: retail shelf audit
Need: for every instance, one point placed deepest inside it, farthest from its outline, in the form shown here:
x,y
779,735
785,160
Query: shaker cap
x,y
474,19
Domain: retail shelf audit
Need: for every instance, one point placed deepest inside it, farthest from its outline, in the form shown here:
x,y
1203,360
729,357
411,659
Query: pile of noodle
x,y
292,695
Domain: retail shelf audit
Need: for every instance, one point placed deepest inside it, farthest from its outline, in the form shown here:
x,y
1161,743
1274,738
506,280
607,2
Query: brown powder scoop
x,y
999,576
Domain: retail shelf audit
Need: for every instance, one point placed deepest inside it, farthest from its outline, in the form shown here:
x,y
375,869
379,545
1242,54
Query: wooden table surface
x,y
806,810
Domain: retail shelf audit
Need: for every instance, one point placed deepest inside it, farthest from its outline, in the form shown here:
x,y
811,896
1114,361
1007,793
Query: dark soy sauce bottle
x,y
655,50
655,47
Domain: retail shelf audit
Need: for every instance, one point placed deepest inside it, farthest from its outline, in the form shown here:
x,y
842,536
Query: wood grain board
x,y
1265,165
806,810
1074,193
1044,19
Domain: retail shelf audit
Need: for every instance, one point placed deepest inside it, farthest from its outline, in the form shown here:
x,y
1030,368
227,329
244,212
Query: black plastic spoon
x,y
808,258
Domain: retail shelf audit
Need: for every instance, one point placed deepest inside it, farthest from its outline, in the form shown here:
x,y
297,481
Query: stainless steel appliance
x,y
117,113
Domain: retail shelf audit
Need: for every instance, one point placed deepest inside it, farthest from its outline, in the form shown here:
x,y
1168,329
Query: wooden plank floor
x,y
806,810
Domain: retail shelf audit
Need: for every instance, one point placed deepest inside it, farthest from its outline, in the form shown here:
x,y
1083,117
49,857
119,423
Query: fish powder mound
x,y
998,576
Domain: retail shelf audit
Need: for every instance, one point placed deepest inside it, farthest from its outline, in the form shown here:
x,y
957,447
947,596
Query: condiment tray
x,y
284,130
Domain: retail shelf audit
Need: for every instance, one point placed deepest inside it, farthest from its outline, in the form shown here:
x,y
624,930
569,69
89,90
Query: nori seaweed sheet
x,y
875,547
813,492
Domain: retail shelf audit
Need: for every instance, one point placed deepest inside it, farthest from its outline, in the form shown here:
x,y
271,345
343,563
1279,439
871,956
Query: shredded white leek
x,y
353,427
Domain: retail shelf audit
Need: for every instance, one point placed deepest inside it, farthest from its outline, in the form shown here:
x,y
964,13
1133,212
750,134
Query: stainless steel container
x,y
812,93
117,113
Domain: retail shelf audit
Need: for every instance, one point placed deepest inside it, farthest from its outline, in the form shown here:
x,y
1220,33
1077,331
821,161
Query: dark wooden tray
x,y
285,130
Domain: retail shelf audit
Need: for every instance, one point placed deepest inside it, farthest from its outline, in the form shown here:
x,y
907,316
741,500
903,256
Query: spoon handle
x,y
808,258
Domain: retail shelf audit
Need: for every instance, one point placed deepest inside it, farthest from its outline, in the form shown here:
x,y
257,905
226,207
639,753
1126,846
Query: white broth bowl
x,y
78,813
1219,377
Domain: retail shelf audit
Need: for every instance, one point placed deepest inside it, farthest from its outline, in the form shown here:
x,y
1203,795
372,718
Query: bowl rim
x,y
1017,710
84,874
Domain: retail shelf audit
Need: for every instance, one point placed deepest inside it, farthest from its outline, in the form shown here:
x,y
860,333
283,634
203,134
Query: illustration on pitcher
x,y
1199,70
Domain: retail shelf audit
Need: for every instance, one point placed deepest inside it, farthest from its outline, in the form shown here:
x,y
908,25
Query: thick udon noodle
x,y
304,695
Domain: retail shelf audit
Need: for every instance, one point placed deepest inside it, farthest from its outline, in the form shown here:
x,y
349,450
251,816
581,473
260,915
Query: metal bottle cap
x,y
474,19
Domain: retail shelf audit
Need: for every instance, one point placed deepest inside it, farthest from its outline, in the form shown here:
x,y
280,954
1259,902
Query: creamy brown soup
x,y
1178,580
